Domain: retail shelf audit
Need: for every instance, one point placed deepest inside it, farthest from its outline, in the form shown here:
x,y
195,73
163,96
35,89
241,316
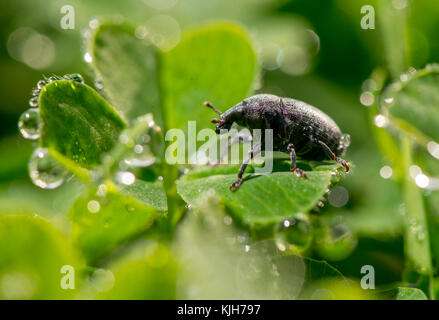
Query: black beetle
x,y
298,129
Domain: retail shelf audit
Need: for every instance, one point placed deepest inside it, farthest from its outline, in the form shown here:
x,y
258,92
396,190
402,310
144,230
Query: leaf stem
x,y
417,239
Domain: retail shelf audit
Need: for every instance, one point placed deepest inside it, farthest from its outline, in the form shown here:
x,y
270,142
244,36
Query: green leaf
x,y
403,293
80,172
127,68
78,122
101,223
149,193
412,104
215,63
31,258
264,199
316,269
324,282
153,275
252,270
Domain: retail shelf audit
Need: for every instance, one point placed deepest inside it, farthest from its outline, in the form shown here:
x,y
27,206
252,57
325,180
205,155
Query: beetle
x,y
298,129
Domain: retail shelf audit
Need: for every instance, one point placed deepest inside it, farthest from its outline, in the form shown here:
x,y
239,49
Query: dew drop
x,y
36,92
404,77
33,102
141,32
369,85
138,149
29,124
74,77
142,156
93,24
102,190
367,98
123,165
93,206
345,140
87,57
389,100
281,246
386,172
228,220
414,170
102,280
296,231
124,139
420,236
433,149
99,83
422,181
338,197
44,171
41,84
381,121
125,177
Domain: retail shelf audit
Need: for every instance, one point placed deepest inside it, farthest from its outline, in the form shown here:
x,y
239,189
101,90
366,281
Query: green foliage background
x,y
168,235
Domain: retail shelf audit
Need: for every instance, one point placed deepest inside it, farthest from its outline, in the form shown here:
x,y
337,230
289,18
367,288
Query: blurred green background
x,y
312,50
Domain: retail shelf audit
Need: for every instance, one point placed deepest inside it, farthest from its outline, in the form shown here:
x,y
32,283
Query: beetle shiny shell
x,y
298,129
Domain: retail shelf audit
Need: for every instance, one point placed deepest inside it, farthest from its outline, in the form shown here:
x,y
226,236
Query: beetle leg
x,y
254,151
299,172
333,156
238,138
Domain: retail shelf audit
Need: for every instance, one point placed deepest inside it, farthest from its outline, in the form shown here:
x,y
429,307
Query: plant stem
x,y
417,239
393,32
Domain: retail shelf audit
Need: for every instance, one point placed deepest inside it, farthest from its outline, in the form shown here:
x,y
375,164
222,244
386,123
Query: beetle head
x,y
222,122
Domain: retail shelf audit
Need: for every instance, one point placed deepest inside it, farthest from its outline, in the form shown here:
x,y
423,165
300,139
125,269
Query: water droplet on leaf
x,y
44,171
381,121
228,220
74,77
345,140
87,57
33,102
29,124
386,172
367,98
296,231
125,177
93,206
41,84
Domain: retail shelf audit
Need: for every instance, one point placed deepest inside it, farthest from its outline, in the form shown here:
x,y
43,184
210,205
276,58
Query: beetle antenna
x,y
208,104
